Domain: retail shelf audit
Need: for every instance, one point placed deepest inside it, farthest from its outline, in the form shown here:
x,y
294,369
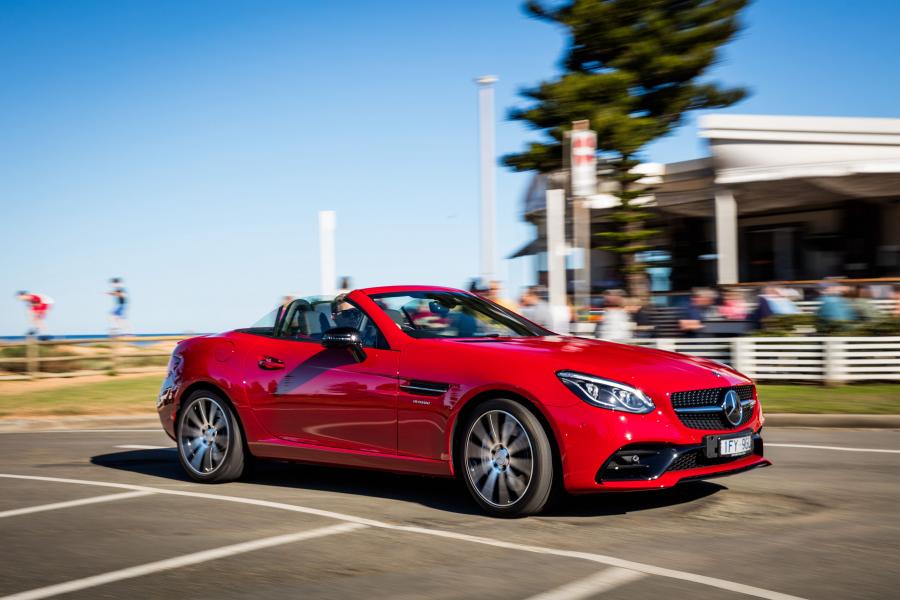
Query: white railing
x,y
821,359
816,359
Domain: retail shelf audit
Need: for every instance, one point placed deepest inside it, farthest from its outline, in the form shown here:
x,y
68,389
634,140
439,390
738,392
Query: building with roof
x,y
779,198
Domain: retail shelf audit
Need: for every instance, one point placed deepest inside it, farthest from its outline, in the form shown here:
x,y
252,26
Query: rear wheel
x,y
507,461
210,447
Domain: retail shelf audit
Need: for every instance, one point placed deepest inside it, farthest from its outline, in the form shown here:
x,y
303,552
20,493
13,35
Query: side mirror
x,y
345,337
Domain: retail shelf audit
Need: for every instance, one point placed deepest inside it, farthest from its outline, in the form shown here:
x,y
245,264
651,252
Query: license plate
x,y
735,446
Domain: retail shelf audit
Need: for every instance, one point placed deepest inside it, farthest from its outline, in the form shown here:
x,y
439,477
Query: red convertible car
x,y
438,381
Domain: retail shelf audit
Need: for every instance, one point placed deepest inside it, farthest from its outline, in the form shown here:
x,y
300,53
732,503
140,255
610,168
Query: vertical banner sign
x,y
584,162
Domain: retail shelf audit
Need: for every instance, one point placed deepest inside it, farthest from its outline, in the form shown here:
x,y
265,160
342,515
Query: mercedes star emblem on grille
x,y
731,406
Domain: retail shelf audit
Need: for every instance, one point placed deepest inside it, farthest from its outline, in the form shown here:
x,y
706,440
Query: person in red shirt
x,y
38,305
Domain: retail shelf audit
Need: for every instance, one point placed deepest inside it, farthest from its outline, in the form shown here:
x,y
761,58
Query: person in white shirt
x,y
616,325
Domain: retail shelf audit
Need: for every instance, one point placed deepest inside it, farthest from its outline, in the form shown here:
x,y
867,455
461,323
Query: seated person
x,y
345,314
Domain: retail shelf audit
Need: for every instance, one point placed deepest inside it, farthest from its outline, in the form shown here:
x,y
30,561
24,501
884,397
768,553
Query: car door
x,y
301,392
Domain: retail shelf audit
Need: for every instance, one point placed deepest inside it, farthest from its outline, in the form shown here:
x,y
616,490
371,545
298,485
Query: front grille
x,y
688,460
695,458
713,419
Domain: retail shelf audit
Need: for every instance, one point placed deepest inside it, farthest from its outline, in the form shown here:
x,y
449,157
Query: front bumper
x,y
589,438
165,405
642,466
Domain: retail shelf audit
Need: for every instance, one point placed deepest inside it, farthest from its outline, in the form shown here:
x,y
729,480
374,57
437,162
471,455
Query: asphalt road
x,y
821,523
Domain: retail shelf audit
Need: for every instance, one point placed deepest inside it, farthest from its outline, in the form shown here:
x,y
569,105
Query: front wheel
x,y
507,460
210,447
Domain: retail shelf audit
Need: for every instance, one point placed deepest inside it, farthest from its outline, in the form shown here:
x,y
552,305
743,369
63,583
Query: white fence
x,y
815,359
822,359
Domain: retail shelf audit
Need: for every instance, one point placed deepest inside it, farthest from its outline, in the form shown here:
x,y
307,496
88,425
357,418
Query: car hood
x,y
634,365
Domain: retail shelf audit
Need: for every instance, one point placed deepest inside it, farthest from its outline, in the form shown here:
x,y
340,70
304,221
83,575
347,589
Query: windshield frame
x,y
496,312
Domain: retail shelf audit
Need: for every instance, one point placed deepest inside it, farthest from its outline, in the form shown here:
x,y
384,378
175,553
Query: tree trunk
x,y
635,277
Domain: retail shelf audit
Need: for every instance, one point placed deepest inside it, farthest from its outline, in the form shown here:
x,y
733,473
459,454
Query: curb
x,y
142,421
832,420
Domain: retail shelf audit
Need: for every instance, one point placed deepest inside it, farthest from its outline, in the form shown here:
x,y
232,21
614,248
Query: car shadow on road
x,y
434,492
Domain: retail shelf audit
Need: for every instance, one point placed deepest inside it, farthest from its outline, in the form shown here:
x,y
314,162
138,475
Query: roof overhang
x,y
751,148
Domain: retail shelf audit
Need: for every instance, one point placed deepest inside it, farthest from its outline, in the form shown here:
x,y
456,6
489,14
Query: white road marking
x,y
613,561
180,561
142,447
722,584
72,503
598,583
842,448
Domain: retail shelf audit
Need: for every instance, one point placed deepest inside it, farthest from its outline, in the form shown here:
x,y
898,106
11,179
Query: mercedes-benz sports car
x,y
438,381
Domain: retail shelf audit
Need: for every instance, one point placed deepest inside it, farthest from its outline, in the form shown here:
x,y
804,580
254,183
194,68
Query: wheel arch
x,y
480,398
212,387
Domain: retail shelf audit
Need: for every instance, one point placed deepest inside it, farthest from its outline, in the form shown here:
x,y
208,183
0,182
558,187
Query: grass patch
x,y
867,399
127,395
110,396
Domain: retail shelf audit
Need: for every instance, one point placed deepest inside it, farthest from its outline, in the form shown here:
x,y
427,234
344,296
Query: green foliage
x,y
809,324
885,325
633,68
787,325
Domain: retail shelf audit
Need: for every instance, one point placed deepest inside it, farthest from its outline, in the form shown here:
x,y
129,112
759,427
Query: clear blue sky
x,y
187,146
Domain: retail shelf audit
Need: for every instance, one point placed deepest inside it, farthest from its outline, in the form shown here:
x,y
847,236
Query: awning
x,y
531,248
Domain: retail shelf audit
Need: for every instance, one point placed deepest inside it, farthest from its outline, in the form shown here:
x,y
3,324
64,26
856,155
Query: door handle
x,y
270,363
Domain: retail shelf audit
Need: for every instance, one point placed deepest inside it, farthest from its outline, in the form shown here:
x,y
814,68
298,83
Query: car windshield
x,y
436,314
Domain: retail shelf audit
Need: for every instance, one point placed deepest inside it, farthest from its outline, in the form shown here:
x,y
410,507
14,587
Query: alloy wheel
x,y
204,436
499,458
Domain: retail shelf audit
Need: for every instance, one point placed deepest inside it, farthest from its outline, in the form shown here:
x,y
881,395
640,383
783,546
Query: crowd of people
x,y
735,311
838,304
708,313
38,305
727,311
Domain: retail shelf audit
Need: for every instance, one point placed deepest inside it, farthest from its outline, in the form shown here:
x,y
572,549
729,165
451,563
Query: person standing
x,y
834,306
701,309
536,309
120,306
733,306
38,305
345,285
495,294
860,299
616,325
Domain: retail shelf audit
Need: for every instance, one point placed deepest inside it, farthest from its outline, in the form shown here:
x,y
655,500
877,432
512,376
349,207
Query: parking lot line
x,y
613,561
181,561
142,447
72,503
842,448
597,583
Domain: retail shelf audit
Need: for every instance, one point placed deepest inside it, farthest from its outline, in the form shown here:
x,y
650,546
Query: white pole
x,y
556,260
486,142
726,237
328,277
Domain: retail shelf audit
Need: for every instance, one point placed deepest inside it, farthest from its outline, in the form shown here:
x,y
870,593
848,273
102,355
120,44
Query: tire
x,y
506,459
210,444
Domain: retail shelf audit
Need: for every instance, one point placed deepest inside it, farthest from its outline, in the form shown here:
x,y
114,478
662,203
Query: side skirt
x,y
283,450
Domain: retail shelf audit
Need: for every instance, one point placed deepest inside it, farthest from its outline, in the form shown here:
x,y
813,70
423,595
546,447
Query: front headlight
x,y
606,394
